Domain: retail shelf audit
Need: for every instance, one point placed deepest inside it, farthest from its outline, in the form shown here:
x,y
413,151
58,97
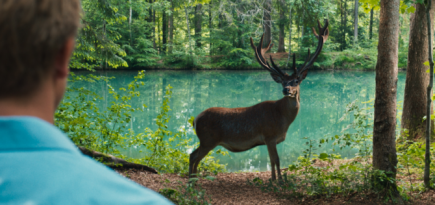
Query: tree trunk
x,y
171,28
281,47
417,80
355,31
164,31
371,25
384,135
114,162
129,24
301,39
267,23
154,27
429,16
210,26
289,36
188,28
159,42
344,23
341,25
198,22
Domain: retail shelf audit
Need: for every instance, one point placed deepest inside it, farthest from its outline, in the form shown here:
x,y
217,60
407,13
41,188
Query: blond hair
x,y
32,32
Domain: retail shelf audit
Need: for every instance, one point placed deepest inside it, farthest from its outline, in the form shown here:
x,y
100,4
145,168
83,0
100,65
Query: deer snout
x,y
289,91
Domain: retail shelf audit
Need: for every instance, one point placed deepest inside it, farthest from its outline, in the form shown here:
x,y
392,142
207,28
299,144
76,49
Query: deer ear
x,y
303,75
276,78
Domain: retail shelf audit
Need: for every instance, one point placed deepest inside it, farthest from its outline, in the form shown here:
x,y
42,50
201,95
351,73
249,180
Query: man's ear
x,y
276,78
303,75
61,66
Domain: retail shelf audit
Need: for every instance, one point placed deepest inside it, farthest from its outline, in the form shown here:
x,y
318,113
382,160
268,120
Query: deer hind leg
x,y
274,159
196,157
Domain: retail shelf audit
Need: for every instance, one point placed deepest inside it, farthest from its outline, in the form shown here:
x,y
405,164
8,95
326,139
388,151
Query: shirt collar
x,y
30,133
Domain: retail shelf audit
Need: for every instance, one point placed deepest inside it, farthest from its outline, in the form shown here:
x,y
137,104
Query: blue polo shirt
x,y
40,165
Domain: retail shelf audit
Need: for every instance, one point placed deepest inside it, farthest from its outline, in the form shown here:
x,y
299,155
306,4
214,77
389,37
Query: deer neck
x,y
289,106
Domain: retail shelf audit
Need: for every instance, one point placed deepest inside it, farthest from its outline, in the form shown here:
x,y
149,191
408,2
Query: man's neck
x,y
40,105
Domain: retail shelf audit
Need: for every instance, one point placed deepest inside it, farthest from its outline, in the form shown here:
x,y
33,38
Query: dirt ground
x,y
232,188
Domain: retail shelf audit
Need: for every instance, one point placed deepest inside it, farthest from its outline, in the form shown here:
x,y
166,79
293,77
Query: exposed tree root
x,y
114,162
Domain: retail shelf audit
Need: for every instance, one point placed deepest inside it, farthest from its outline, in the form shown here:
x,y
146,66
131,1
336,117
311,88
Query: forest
x,y
143,70
215,34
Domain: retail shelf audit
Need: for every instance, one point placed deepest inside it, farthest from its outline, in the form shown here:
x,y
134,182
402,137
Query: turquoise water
x,y
324,96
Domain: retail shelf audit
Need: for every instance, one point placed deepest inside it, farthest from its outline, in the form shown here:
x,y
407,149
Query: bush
x,y
105,129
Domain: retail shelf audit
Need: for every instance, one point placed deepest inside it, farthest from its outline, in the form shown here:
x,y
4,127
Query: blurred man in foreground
x,y
38,163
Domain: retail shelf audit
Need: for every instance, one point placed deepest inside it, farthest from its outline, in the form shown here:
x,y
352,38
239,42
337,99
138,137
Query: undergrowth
x,y
326,174
106,128
191,193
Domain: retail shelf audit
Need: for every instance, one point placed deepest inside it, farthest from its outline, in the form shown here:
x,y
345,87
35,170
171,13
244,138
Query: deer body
x,y
240,129
266,123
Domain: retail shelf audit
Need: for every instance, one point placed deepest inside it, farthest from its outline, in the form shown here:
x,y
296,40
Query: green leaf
x,y
210,178
323,156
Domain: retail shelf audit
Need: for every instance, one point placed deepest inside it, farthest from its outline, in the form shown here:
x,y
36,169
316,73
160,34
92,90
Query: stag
x,y
266,123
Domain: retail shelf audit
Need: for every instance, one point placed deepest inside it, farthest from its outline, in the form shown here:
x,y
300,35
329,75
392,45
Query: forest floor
x,y
232,188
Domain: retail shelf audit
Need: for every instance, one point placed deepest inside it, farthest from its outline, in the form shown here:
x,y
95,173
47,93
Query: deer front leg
x,y
274,159
196,157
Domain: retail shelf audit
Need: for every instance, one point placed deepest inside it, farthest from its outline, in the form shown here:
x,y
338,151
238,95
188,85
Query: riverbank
x,y
350,60
233,188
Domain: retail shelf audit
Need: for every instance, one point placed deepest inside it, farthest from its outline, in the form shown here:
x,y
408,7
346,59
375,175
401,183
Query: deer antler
x,y
259,54
322,36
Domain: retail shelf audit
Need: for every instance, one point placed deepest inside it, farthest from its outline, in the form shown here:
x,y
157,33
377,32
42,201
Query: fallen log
x,y
114,162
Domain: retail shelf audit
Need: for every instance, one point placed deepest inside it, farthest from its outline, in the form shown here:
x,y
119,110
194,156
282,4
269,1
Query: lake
x,y
324,96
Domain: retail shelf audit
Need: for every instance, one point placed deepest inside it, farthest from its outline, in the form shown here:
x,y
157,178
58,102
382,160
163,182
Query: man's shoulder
x,y
57,176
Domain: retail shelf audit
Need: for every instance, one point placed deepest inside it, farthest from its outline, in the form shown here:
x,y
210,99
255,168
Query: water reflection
x,y
324,96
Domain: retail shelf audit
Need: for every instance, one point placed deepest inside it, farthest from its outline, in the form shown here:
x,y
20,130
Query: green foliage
x,y
237,58
168,150
363,59
191,193
98,129
338,176
141,54
130,34
106,129
183,59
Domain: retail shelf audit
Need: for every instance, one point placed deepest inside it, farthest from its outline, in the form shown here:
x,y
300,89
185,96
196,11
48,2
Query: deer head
x,y
290,83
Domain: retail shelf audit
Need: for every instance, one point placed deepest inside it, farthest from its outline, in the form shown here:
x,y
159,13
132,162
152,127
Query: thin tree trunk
x,y
429,16
344,24
129,24
154,27
210,26
281,47
159,42
171,28
198,22
384,129
267,23
221,25
355,31
188,29
301,44
289,35
371,25
341,25
164,31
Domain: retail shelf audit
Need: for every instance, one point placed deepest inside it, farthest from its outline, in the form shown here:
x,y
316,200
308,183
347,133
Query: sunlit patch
x,y
189,150
29,203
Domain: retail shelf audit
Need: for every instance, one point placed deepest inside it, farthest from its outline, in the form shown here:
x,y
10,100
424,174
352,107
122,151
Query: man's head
x,y
36,41
35,36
